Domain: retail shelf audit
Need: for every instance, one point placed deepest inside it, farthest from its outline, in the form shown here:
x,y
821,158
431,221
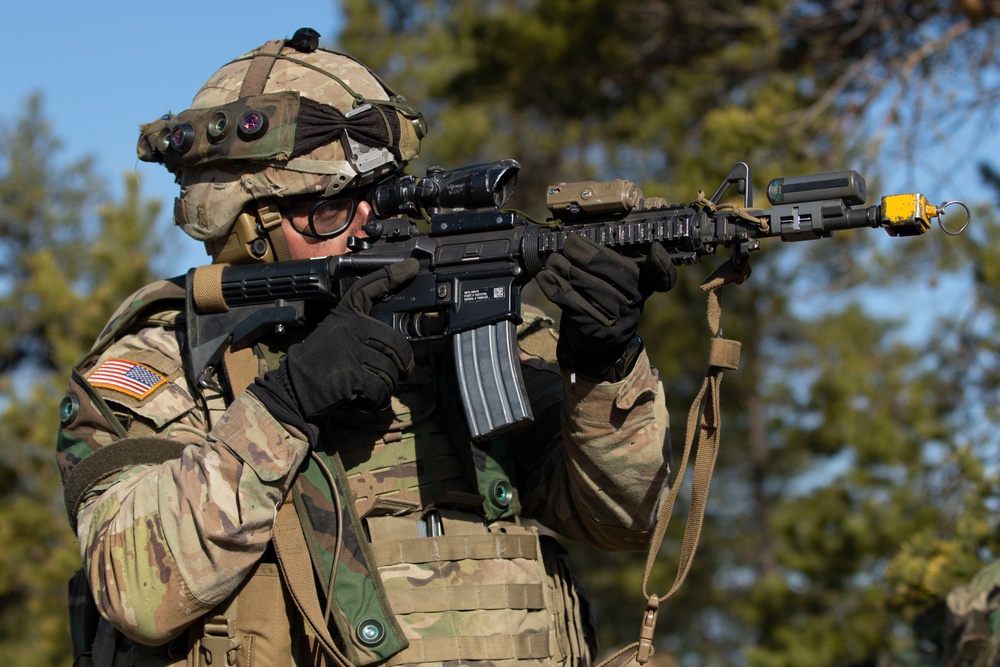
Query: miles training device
x,y
476,257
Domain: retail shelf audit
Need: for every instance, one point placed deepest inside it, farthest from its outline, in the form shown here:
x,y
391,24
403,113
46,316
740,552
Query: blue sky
x,y
105,67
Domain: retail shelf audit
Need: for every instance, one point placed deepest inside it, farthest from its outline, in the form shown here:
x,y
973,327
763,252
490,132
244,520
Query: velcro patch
x,y
128,377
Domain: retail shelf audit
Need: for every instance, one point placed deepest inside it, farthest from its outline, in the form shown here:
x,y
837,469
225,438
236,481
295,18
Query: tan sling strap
x,y
290,547
207,289
288,539
289,542
241,368
704,420
296,564
241,365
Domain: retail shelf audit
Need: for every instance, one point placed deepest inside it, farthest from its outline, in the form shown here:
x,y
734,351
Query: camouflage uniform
x,y
972,633
211,532
963,630
168,540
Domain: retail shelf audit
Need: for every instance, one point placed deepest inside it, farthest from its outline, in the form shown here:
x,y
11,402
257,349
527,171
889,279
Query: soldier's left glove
x,y
602,294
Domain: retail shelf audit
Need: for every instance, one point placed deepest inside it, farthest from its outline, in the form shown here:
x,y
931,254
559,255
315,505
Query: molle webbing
x,y
502,581
489,648
465,539
408,461
405,471
465,547
468,598
370,486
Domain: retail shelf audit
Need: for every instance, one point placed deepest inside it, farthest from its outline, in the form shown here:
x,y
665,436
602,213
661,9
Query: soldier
x,y
971,632
313,499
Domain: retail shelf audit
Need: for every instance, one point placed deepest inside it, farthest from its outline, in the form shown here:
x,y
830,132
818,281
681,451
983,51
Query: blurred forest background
x,y
857,481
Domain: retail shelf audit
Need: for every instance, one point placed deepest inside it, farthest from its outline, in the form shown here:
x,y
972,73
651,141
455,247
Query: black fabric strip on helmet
x,y
318,124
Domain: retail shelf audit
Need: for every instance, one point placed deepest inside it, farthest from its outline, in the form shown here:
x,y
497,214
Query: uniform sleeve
x,y
164,543
593,465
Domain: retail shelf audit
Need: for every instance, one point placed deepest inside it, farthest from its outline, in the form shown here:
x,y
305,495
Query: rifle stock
x,y
476,257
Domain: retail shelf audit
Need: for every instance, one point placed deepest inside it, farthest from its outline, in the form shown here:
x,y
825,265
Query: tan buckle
x,y
219,640
645,650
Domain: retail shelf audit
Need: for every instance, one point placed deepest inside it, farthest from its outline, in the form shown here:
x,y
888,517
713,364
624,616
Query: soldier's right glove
x,y
350,358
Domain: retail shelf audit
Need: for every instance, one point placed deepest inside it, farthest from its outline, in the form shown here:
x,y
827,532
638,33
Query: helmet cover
x,y
321,122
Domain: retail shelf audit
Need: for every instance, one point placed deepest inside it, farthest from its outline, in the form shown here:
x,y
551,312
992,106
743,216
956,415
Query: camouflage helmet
x,y
283,120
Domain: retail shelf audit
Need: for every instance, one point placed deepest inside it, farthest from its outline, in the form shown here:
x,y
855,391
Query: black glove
x,y
350,357
601,294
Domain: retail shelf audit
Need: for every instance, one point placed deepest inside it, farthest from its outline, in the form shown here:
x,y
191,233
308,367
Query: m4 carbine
x,y
476,257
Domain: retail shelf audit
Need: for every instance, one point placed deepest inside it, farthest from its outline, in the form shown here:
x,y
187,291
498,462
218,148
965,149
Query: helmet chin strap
x,y
269,222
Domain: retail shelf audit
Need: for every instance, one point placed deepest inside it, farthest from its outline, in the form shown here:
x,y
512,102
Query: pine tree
x,y
837,431
68,258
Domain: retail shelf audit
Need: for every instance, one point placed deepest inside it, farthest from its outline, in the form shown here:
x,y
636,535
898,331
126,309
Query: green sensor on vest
x,y
371,632
69,408
501,493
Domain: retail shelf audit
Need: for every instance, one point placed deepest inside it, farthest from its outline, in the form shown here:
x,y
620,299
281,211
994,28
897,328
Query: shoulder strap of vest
x,y
296,564
241,368
160,294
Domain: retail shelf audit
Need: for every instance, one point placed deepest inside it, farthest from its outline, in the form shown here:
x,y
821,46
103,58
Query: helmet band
x,y
271,127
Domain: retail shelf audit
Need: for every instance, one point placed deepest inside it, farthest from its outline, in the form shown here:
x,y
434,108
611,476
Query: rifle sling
x,y
704,421
206,288
241,366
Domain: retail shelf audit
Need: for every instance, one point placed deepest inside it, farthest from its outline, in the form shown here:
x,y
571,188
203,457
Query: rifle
x,y
476,257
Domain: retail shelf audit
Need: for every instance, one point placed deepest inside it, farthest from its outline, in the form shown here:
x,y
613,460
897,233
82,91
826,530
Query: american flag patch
x,y
126,376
